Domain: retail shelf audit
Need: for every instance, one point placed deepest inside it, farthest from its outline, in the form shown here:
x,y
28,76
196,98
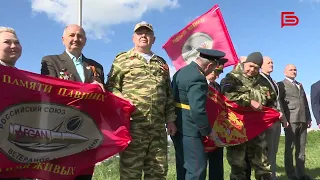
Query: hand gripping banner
x,y
56,128
235,124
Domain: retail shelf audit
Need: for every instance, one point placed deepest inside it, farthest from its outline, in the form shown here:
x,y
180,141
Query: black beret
x,y
255,57
211,54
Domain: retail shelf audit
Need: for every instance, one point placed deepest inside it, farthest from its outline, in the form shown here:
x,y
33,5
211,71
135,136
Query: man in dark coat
x,y
190,90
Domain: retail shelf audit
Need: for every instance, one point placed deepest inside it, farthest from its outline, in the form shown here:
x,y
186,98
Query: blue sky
x,y
253,26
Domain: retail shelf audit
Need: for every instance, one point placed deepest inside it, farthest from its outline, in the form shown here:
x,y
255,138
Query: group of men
x,y
249,84
178,108
138,75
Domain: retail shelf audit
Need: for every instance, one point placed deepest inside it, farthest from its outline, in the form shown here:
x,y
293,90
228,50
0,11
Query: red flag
x,y
207,31
56,128
235,124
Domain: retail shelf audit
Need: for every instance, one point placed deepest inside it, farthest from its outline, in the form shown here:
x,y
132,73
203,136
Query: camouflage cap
x,y
143,24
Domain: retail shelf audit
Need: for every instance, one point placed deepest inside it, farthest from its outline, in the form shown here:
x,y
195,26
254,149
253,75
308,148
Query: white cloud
x,y
99,15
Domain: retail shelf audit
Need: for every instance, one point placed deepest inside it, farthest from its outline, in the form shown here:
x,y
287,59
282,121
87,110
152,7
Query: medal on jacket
x,y
163,66
94,72
64,74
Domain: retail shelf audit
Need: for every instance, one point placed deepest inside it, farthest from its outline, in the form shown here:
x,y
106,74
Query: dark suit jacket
x,y
315,100
294,102
52,65
274,86
190,87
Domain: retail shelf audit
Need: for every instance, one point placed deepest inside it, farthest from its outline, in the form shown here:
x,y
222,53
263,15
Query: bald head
x,y
290,71
267,65
73,27
74,39
243,59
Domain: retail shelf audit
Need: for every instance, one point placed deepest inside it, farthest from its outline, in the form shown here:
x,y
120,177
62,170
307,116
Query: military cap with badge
x,y
143,24
212,55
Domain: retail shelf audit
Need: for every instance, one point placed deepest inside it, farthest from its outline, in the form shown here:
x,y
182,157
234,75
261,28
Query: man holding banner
x,y
190,90
143,77
247,88
73,65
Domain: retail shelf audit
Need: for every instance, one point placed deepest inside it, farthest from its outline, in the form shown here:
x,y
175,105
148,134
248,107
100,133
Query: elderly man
x,y
239,67
247,87
296,110
273,133
143,77
216,170
190,90
73,65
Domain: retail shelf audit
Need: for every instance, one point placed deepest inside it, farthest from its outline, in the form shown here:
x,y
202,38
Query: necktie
x,y
295,84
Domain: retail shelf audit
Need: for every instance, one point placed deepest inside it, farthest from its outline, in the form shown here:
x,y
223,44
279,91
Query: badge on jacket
x,y
64,74
165,67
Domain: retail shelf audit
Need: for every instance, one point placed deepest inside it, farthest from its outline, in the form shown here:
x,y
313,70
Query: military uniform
x,y
239,67
241,89
216,167
190,90
147,85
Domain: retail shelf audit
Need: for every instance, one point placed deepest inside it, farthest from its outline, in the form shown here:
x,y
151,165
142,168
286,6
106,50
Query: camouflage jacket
x,y
241,89
147,85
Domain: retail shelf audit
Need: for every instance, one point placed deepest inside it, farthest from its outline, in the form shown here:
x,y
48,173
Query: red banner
x,y
235,124
207,31
53,128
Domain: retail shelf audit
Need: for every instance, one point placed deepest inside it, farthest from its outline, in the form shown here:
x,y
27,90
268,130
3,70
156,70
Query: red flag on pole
x,y
207,31
53,128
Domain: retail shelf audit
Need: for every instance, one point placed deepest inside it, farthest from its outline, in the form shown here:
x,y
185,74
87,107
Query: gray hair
x,y
7,29
203,60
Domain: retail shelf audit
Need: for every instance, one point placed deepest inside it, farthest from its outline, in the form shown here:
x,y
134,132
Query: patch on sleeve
x,y
226,87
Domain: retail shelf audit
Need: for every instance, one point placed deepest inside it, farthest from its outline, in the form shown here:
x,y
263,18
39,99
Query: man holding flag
x,y
247,88
190,90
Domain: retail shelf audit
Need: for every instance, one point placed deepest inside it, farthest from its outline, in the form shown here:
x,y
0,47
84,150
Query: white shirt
x,y
294,82
146,56
5,64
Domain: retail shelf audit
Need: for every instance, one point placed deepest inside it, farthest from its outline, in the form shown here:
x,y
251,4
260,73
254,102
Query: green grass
x,y
109,170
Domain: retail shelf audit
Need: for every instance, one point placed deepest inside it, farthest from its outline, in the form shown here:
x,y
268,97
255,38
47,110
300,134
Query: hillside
x,y
109,170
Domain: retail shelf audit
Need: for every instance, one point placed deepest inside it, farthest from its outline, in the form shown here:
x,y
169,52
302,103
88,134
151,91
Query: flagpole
x,y
80,13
